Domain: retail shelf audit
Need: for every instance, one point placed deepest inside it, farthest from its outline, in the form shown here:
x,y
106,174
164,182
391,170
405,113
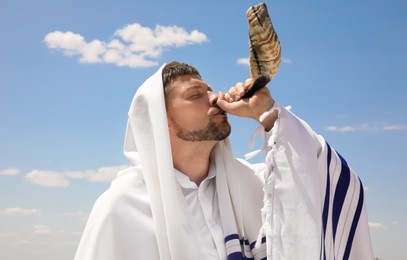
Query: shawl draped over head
x,y
304,202
147,145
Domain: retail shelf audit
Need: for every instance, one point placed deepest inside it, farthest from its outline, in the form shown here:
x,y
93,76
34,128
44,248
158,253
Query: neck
x,y
192,158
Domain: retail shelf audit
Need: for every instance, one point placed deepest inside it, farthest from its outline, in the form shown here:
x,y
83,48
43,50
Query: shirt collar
x,y
185,182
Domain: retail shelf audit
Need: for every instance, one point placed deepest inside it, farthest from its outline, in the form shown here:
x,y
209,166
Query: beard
x,y
211,132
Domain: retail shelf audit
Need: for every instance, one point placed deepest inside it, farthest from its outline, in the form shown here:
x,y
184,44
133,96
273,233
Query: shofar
x,y
264,49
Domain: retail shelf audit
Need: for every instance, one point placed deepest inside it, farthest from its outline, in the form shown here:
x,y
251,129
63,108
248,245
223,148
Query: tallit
x,y
305,200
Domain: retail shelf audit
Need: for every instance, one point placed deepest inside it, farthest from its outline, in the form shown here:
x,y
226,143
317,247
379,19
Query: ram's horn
x,y
264,49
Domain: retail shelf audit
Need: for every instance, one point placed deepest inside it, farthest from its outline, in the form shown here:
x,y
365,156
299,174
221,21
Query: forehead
x,y
184,83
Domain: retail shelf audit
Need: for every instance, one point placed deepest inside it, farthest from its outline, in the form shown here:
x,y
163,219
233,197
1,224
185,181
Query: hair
x,y
174,69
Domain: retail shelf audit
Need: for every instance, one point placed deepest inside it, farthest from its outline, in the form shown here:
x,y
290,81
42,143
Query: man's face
x,y
192,111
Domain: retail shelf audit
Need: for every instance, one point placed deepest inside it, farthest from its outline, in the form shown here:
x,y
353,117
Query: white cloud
x,y
286,61
60,179
68,243
91,52
22,242
47,178
17,211
380,127
41,230
376,225
243,61
340,129
395,222
103,174
78,215
396,127
133,45
70,42
8,234
10,171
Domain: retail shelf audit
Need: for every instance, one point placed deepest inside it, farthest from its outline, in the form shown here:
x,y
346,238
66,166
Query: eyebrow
x,y
199,86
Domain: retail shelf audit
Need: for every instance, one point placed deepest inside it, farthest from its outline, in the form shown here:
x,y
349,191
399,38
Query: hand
x,y
252,107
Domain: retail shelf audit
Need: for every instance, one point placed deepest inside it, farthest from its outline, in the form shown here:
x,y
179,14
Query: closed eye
x,y
197,91
195,95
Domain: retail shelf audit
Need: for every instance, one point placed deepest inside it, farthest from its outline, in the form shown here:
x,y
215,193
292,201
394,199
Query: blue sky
x,y
69,70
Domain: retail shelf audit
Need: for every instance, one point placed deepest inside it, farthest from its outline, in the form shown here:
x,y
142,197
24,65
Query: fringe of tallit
x,y
267,177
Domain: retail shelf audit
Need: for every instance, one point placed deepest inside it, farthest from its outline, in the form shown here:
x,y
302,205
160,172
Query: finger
x,y
241,91
245,86
233,93
248,82
222,101
221,96
228,98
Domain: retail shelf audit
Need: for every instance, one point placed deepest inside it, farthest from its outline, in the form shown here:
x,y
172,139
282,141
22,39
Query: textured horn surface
x,y
264,48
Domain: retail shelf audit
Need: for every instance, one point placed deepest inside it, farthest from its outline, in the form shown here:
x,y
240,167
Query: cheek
x,y
189,117
188,113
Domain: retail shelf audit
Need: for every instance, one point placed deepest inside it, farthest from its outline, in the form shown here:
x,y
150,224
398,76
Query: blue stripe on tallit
x,y
340,194
326,202
231,237
354,222
342,187
235,256
243,242
263,240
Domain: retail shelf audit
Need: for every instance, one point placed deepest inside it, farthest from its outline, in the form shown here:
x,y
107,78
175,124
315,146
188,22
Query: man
x,y
187,197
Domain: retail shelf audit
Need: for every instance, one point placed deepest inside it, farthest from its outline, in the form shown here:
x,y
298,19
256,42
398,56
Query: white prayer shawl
x,y
313,202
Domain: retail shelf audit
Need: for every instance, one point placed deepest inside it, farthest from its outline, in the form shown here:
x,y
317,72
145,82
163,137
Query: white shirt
x,y
202,203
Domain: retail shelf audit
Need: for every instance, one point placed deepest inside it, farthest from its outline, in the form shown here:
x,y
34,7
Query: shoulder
x,y
120,222
123,209
127,193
